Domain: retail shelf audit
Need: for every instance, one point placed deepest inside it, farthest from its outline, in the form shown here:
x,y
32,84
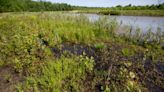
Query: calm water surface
x,y
145,23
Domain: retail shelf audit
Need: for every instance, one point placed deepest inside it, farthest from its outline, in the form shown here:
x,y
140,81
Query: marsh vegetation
x,y
55,52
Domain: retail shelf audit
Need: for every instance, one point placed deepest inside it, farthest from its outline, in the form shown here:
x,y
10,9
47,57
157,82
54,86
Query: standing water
x,y
145,23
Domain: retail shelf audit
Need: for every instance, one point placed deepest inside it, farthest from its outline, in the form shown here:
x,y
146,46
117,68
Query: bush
x,y
110,12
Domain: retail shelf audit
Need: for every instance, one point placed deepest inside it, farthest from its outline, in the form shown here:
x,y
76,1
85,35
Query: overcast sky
x,y
106,3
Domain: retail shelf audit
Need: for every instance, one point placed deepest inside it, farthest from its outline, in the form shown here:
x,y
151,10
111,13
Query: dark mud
x,y
76,49
110,61
8,79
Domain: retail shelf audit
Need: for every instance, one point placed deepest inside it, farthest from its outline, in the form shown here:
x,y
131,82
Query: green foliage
x,y
127,52
29,5
63,74
132,86
148,10
26,42
127,7
142,12
20,43
110,12
99,46
27,38
114,13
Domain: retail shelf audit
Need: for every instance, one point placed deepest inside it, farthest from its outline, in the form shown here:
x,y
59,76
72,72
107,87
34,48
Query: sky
x,y
106,3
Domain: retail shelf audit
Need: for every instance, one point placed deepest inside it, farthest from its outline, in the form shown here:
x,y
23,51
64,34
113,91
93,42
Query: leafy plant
x,y
99,46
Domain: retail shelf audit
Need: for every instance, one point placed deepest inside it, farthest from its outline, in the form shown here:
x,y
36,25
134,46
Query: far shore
x,y
158,13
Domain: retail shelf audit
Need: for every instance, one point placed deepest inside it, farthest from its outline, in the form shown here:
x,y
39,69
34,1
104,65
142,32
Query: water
x,y
145,23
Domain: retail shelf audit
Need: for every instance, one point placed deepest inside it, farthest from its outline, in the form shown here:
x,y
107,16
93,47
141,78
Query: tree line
x,y
34,6
146,7
128,7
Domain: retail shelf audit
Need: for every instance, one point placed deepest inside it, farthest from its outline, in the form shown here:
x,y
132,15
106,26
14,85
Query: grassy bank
x,y
124,12
54,52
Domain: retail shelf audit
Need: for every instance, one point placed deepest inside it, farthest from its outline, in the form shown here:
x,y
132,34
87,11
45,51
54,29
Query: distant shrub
x,y
110,12
115,13
104,12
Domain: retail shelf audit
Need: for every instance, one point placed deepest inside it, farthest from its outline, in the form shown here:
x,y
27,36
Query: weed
x,y
127,52
99,46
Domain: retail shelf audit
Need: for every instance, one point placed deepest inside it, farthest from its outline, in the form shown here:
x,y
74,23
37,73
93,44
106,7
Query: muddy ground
x,y
110,59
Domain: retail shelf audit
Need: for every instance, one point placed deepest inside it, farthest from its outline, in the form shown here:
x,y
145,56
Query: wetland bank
x,y
56,52
57,47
